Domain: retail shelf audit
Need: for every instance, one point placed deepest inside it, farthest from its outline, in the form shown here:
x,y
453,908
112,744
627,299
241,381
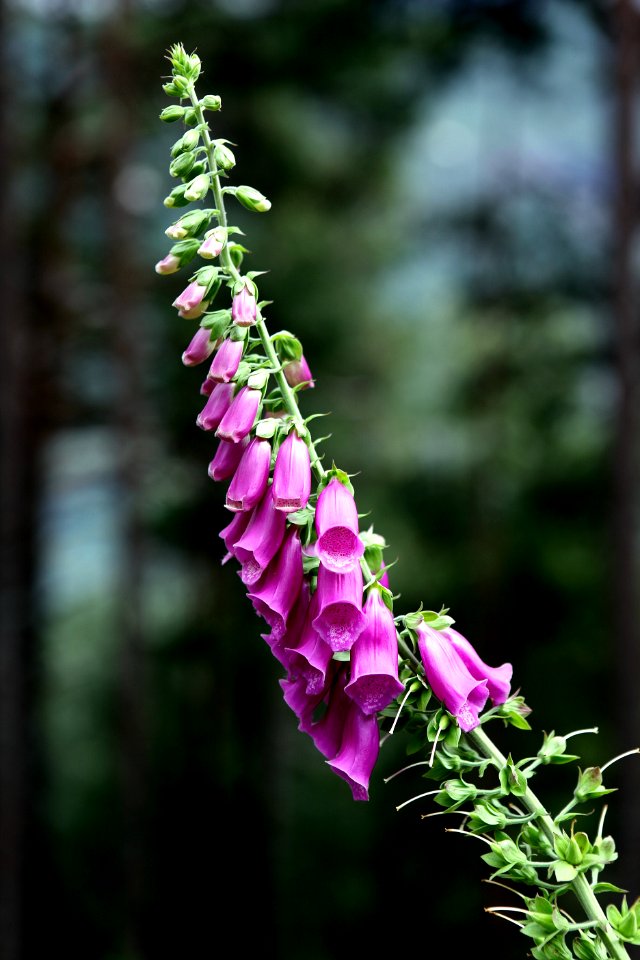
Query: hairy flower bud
x,y
252,199
197,188
211,102
223,157
200,348
298,374
172,113
169,264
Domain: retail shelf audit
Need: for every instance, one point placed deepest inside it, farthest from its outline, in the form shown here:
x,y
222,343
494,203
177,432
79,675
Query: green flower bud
x,y
211,102
172,113
189,224
170,89
182,165
176,198
190,117
224,157
184,250
252,199
197,188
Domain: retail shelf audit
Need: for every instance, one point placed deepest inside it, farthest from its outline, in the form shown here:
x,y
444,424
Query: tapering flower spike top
x,y
339,546
291,475
463,695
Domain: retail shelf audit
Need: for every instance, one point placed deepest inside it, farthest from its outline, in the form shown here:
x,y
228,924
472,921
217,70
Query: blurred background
x,y
454,239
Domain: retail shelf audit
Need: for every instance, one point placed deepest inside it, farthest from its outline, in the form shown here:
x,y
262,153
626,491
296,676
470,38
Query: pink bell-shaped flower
x,y
216,406
374,659
309,655
298,374
340,620
226,459
275,594
359,749
462,694
339,546
191,303
251,477
244,309
498,678
200,348
261,540
291,475
224,365
241,415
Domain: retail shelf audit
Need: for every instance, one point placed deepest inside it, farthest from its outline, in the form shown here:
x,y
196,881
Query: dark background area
x,y
453,237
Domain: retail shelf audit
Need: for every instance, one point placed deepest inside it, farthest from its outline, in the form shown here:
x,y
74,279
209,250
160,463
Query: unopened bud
x,y
213,243
253,199
170,264
211,102
197,188
176,198
190,117
182,165
224,157
170,89
172,113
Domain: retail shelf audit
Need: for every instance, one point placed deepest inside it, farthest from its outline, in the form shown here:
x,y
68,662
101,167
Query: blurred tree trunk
x,y
125,322
626,474
16,563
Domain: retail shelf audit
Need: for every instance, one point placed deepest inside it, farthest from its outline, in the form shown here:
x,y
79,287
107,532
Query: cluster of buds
x,y
320,584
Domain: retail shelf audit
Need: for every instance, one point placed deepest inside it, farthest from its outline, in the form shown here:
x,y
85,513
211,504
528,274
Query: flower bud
x,y
172,113
182,165
223,157
244,309
169,264
226,361
200,348
251,477
190,303
216,406
213,244
197,188
190,117
176,198
211,102
297,374
252,199
241,415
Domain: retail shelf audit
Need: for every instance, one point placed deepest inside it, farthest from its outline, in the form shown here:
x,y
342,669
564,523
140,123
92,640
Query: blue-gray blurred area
x,y
453,237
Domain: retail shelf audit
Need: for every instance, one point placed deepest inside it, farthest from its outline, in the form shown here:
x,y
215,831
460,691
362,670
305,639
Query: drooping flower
x,y
358,751
310,655
168,264
191,303
244,309
498,678
233,532
374,679
241,415
261,540
216,406
278,645
227,458
251,477
339,546
224,365
275,594
298,374
462,694
291,475
340,620
207,387
200,348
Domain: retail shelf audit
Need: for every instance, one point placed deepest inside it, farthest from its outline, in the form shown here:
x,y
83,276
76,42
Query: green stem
x,y
288,395
585,895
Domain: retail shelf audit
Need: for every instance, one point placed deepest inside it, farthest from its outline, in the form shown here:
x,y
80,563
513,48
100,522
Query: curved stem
x,y
288,395
579,884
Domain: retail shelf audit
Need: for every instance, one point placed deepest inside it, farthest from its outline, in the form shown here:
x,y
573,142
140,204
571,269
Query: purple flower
x,y
498,678
295,622
251,477
207,387
191,303
243,307
241,415
300,701
309,655
226,361
291,475
340,620
216,406
297,374
200,347
339,546
261,540
227,459
275,594
326,732
462,694
233,532
359,749
374,659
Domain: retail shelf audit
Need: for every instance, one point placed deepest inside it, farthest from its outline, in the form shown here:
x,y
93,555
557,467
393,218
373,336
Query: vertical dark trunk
x,y
626,474
127,336
16,518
